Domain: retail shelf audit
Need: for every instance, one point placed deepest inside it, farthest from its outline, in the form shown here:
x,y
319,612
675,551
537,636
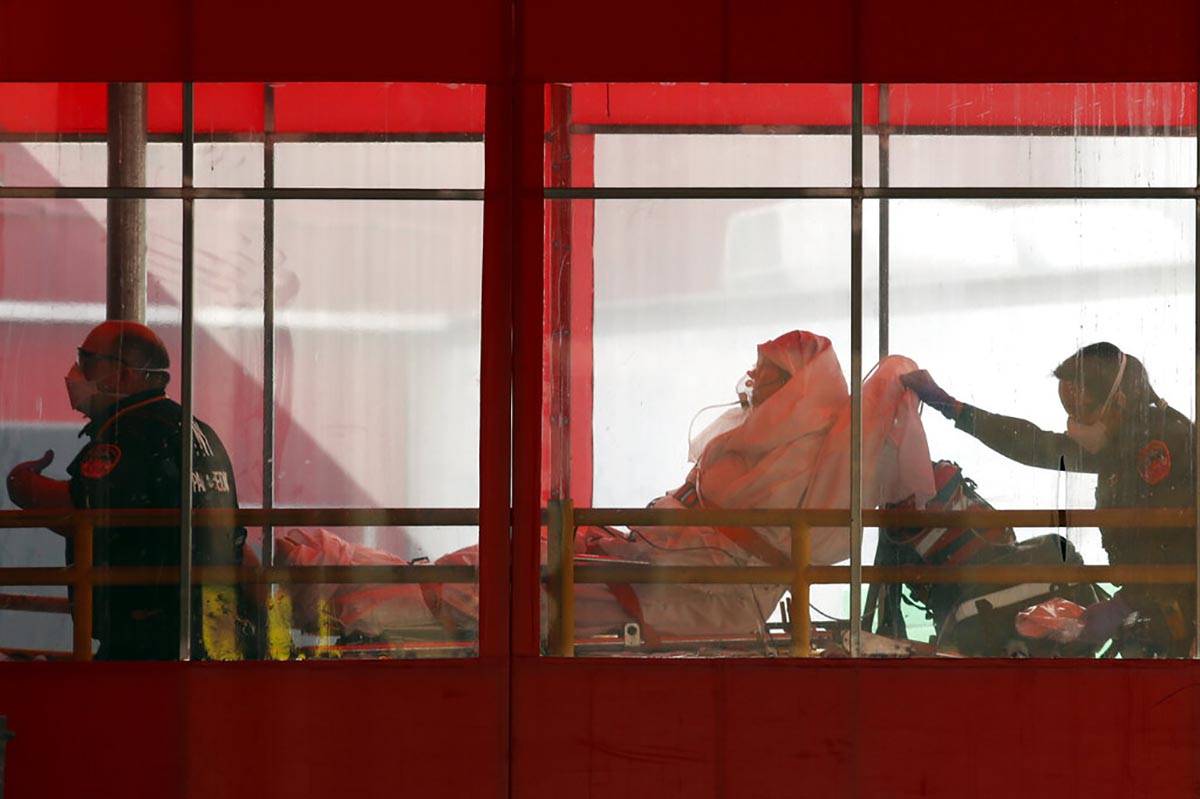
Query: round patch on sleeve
x,y
1154,462
100,461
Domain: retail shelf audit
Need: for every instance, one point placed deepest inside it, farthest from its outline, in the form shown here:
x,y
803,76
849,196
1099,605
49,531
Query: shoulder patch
x,y
100,461
1154,462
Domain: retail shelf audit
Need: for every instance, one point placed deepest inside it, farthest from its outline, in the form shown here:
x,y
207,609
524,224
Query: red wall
x,y
683,728
378,729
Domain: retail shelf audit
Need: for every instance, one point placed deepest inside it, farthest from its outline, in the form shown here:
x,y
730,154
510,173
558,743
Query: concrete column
x,y
126,297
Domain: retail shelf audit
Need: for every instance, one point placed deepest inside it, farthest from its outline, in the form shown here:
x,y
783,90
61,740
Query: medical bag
x,y
977,619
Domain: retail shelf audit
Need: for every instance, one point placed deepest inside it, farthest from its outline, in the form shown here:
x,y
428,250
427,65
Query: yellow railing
x,y
82,576
563,519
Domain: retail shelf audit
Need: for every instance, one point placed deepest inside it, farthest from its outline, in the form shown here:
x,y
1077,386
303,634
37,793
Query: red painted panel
x,y
378,107
605,728
53,107
373,729
496,380
1027,40
795,42
623,40
1080,106
711,104
261,730
527,333
397,108
387,108
626,40
77,40
82,726
821,728
236,40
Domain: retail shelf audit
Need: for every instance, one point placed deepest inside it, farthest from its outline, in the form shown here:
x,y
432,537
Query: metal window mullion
x,y
238,193
1196,395
268,384
884,221
186,326
621,193
865,192
856,312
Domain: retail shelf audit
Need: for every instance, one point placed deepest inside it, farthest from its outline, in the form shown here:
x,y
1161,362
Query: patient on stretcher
x,y
786,445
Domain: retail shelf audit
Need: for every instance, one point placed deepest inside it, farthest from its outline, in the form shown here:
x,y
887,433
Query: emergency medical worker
x,y
1141,450
132,460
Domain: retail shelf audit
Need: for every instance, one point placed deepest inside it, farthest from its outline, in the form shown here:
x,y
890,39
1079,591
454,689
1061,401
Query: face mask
x,y
84,395
1094,437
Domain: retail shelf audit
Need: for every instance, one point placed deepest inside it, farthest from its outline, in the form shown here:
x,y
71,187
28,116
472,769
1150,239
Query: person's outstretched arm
x,y
1018,439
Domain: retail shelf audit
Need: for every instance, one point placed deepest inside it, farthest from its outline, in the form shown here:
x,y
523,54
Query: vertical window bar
x,y
1196,376
884,244
883,132
856,305
268,383
268,398
186,329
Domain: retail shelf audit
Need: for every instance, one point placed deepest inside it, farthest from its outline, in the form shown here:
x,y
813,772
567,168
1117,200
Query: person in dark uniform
x,y
1141,450
132,460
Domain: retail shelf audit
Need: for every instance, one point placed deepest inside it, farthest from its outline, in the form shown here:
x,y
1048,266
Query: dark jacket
x,y
1149,464
132,460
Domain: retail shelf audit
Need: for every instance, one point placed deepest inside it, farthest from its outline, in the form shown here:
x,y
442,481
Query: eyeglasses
x,y
83,357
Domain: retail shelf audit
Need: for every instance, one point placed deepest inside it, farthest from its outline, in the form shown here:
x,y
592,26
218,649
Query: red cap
x,y
131,343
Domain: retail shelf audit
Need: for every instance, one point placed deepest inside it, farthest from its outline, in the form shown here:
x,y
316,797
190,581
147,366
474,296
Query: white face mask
x,y
1094,437
743,389
84,395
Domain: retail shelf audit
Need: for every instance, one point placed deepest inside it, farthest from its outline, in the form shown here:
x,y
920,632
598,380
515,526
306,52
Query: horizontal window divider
x,y
871,193
235,193
1117,518
228,575
249,137
592,572
894,129
251,517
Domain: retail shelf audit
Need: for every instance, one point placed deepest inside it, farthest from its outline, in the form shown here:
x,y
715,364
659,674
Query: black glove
x,y
928,391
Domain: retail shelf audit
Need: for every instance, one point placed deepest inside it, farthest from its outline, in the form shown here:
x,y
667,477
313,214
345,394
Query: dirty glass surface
x,y
704,236
334,359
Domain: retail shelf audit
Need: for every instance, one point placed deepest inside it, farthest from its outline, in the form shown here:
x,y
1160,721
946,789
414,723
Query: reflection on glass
x,y
1066,135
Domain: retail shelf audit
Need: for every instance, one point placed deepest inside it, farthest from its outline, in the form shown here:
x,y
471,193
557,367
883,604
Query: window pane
x,y
993,297
375,396
52,263
684,293
1082,135
704,134
379,135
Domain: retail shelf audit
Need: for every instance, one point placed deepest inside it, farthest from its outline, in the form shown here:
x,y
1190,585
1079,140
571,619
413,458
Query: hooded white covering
x,y
792,450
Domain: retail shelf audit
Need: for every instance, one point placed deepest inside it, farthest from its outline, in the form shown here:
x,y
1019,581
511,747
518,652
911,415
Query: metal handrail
x,y
1116,518
307,575
563,519
82,576
250,517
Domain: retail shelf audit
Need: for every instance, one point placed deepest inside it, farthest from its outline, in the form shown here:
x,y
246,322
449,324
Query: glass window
x,y
329,359
659,304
